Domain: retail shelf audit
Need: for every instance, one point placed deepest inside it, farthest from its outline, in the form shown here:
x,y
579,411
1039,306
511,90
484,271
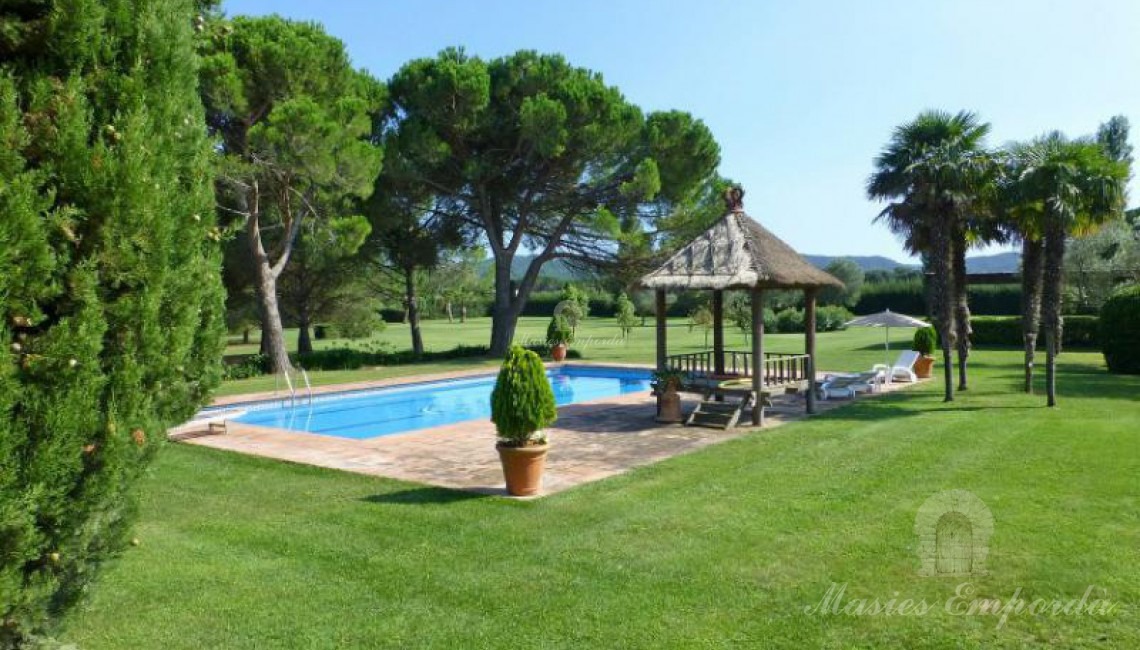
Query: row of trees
x,y
947,191
331,175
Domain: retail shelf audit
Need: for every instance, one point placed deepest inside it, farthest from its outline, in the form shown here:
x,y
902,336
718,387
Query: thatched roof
x,y
737,253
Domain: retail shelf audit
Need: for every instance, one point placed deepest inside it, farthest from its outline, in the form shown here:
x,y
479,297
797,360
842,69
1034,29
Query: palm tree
x,y
1022,219
932,171
979,226
1059,187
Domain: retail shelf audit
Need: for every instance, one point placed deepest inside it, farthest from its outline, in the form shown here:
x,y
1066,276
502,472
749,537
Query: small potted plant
x,y
925,341
559,335
522,404
666,383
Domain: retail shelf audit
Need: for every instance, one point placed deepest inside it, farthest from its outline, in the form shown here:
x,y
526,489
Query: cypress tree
x,y
110,295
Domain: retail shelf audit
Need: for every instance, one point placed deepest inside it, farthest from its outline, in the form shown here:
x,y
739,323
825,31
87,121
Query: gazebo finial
x,y
734,199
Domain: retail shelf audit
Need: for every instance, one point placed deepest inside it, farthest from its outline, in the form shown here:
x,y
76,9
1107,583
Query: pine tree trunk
x,y
450,316
245,336
961,307
942,290
1032,265
503,317
413,311
1051,292
304,341
463,313
273,332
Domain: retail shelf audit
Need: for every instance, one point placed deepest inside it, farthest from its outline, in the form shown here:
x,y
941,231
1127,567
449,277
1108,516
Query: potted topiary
x,y
666,383
925,341
559,334
522,404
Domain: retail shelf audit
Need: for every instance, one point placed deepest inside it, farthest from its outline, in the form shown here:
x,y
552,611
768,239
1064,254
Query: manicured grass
x,y
597,340
725,547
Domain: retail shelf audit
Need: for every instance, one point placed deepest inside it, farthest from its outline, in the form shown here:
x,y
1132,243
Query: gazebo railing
x,y
779,367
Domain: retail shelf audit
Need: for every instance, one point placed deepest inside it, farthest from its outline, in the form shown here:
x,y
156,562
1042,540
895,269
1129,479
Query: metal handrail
x,y
292,392
308,386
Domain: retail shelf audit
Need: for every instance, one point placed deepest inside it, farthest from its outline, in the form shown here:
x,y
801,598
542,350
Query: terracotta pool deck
x,y
590,441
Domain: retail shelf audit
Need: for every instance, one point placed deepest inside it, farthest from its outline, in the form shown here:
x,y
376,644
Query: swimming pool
x,y
399,409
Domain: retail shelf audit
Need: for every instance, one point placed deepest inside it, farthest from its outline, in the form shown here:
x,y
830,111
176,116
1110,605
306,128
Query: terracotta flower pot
x,y
669,407
924,367
522,468
558,352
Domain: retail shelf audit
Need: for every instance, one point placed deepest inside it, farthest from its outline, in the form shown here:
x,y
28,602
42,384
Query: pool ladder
x,y
293,390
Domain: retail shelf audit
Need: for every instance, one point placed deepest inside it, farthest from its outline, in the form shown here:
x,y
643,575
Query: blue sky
x,y
800,95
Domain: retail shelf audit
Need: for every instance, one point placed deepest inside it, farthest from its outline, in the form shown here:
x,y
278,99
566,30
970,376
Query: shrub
x,y
790,321
770,324
522,402
357,320
625,314
251,366
996,330
112,304
903,295
573,294
906,296
831,318
354,358
559,331
1120,331
925,340
392,315
1078,331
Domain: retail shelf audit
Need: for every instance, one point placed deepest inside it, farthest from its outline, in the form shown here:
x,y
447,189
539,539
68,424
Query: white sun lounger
x,y
850,385
902,370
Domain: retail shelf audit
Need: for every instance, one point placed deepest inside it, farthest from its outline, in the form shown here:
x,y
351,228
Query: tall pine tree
x,y
110,297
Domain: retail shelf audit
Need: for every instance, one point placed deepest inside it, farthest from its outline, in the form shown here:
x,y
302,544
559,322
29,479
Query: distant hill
x,y
1008,262
865,262
555,270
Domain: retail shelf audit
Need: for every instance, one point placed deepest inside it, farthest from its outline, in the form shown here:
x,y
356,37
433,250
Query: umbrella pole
x,y
887,345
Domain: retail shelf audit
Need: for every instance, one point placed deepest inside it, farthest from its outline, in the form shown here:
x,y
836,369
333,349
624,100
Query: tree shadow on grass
x,y
423,496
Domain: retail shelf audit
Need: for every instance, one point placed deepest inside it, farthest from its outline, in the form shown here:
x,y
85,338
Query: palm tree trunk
x,y
942,290
1051,292
961,306
1032,266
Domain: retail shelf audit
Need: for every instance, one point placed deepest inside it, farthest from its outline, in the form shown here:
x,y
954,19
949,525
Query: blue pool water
x,y
385,411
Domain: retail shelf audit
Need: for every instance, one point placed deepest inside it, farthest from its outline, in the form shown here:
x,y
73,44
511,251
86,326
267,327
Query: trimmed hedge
x,y
907,297
255,365
1078,331
1120,331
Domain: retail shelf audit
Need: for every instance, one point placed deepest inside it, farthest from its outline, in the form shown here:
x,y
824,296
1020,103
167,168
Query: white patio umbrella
x,y
886,319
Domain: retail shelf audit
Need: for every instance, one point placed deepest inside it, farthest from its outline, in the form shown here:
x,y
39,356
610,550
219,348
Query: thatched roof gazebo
x,y
736,253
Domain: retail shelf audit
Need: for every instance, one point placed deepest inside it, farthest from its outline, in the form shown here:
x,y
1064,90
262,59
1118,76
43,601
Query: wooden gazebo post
x,y
718,331
662,350
809,346
758,356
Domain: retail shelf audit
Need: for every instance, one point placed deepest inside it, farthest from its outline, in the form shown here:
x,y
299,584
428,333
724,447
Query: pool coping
x,y
592,440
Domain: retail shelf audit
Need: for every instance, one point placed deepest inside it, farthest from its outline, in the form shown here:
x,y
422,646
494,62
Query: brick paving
x,y
590,441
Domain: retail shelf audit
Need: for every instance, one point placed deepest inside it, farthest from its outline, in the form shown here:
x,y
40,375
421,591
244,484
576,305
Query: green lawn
x,y
728,546
597,340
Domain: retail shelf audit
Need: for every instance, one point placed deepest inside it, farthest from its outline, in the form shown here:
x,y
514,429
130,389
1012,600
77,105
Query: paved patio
x,y
590,441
